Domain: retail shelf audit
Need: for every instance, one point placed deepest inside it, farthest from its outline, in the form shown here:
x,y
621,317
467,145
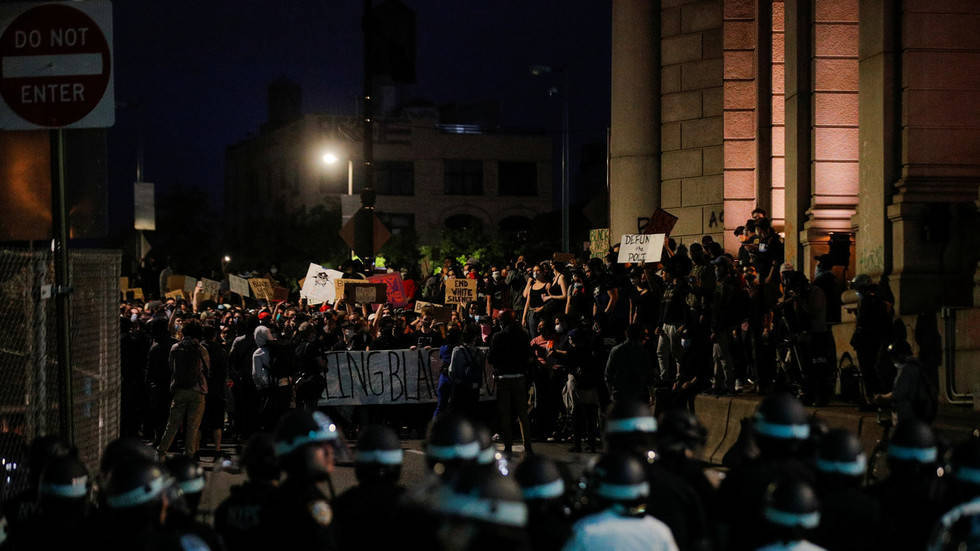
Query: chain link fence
x,y
29,399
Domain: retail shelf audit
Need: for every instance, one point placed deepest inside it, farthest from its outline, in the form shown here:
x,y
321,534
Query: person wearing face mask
x,y
498,292
535,290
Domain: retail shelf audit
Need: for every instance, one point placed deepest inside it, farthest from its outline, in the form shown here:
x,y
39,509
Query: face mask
x,y
476,318
559,328
273,271
763,248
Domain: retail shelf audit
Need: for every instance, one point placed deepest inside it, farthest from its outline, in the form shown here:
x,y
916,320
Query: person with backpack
x,y
914,395
189,368
466,372
264,376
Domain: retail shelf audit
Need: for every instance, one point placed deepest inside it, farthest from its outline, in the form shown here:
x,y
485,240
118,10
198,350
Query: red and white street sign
x,y
56,65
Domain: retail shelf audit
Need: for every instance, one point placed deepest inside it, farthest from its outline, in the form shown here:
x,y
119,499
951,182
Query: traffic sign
x,y
379,233
56,65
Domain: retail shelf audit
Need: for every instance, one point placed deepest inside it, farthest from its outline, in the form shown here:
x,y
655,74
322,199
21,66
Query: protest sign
x,y
437,311
133,294
599,242
394,288
239,285
185,283
261,288
361,290
460,290
280,294
176,294
660,222
636,248
564,258
124,283
210,289
388,377
318,285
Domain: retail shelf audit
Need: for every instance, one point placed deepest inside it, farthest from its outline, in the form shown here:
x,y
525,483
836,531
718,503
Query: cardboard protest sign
x,y
389,377
133,294
360,290
599,242
261,288
210,289
460,290
437,311
124,283
394,288
239,285
176,294
564,258
660,222
318,285
280,294
636,248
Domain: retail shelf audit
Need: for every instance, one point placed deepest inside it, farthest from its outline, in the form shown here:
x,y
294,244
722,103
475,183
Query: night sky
x,y
191,77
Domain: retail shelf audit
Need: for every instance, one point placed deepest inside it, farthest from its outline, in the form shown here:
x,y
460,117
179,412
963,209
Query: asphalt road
x,y
220,478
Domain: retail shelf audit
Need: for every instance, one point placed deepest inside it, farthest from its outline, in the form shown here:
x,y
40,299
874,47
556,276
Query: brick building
x,y
858,116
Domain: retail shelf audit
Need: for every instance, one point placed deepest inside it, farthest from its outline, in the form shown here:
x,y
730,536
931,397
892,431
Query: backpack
x,y
188,365
472,371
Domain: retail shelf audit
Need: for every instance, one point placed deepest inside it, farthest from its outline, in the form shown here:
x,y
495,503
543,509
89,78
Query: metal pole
x,y
62,284
565,247
364,223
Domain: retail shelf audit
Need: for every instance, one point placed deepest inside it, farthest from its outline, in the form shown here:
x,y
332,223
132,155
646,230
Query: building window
x,y
394,178
518,178
464,177
398,222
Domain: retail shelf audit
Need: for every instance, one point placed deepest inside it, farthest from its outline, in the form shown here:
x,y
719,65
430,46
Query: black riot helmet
x,y
188,478
679,431
631,427
379,456
63,491
912,451
781,425
451,442
300,437
791,510
259,458
44,449
840,455
134,494
122,450
620,480
965,465
483,510
539,479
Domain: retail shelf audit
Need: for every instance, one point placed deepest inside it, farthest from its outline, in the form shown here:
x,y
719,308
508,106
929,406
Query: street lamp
x,y
331,158
542,70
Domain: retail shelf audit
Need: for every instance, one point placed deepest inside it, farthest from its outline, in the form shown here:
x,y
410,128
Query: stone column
x,y
798,98
634,143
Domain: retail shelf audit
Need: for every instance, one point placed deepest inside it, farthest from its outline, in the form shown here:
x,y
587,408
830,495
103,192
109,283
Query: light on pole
x,y
541,70
331,158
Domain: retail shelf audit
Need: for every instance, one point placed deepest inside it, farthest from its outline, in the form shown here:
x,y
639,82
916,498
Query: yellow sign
x,y
261,288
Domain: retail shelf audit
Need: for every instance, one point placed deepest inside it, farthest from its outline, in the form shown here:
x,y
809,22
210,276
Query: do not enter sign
x,y
56,65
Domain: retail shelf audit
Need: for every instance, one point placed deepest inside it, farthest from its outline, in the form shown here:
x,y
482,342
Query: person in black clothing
x,y
184,500
680,439
510,355
214,404
22,508
584,379
158,380
851,519
672,324
63,508
726,314
237,518
629,369
134,347
548,522
870,338
827,281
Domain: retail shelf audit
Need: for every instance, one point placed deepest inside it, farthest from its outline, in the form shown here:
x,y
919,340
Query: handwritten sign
x,y
636,248
176,294
210,289
437,311
394,288
460,291
261,288
239,285
185,283
599,242
318,285
135,293
388,377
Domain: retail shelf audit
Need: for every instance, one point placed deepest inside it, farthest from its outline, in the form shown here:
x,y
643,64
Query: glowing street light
x,y
330,158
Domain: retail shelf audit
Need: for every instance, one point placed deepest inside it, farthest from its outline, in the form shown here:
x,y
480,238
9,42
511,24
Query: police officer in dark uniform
x,y
791,513
189,482
237,518
781,427
481,510
299,512
680,439
543,488
22,508
62,518
361,510
959,527
850,518
913,495
631,428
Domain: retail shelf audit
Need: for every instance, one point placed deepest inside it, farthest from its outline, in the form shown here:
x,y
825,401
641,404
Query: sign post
x,y
56,61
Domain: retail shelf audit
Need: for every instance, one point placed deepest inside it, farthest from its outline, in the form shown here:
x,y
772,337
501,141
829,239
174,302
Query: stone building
x,y
857,116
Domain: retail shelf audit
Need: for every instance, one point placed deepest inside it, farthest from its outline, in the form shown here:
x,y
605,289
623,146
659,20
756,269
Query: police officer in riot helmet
x,y
22,507
482,510
780,427
451,443
632,428
620,491
62,517
543,488
237,519
850,518
188,487
136,507
913,495
680,439
791,513
306,444
959,527
372,503
488,456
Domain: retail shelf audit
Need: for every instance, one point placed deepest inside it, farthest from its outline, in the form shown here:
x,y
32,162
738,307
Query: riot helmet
x,y
484,510
188,480
791,510
913,450
680,431
781,425
451,442
307,444
839,454
620,481
379,456
259,458
539,479
631,427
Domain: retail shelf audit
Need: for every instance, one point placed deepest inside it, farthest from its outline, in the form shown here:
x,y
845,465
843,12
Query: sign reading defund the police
x,y
635,248
388,377
56,65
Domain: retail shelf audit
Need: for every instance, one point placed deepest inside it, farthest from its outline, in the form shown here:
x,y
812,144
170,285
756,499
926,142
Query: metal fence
x,y
29,401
